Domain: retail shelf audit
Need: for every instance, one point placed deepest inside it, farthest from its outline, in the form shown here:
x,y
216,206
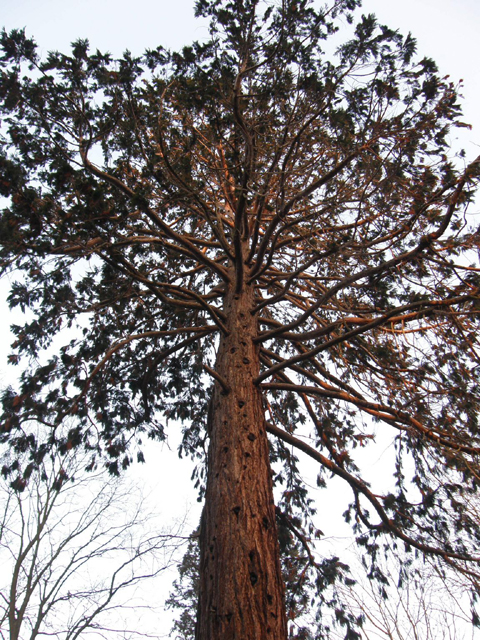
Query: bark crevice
x,y
241,592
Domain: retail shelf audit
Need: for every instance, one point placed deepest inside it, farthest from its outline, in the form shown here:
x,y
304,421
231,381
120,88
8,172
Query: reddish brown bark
x,y
241,587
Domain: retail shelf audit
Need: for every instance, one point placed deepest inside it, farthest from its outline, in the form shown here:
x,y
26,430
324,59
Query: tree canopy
x,y
252,200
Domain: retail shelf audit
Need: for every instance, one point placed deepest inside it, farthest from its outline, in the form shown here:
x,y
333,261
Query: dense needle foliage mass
x,y
146,192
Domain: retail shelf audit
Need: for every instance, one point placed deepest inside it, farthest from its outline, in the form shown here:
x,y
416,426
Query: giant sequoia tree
x,y
252,237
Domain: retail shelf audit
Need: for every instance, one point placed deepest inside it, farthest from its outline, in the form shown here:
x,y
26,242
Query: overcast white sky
x,y
446,30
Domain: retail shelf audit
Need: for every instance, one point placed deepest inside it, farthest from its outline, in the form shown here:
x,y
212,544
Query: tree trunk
x,y
241,586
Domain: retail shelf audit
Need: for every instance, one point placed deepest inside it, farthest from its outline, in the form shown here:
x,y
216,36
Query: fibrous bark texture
x,y
241,594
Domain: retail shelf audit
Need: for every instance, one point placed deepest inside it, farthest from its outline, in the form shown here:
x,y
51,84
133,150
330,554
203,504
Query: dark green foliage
x,y
132,185
184,596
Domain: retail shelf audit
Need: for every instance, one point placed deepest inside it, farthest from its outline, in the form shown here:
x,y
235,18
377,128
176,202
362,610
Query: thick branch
x,y
154,217
358,486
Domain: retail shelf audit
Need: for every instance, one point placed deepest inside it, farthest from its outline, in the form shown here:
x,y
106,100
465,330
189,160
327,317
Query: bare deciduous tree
x,y
431,605
74,548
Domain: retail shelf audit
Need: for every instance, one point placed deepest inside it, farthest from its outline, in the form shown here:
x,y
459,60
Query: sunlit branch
x,y
358,486
430,305
407,256
400,319
173,235
292,278
398,419
277,243
299,196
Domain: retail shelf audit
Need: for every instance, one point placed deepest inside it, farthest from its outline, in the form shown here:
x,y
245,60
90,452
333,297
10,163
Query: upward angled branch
x,y
154,217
